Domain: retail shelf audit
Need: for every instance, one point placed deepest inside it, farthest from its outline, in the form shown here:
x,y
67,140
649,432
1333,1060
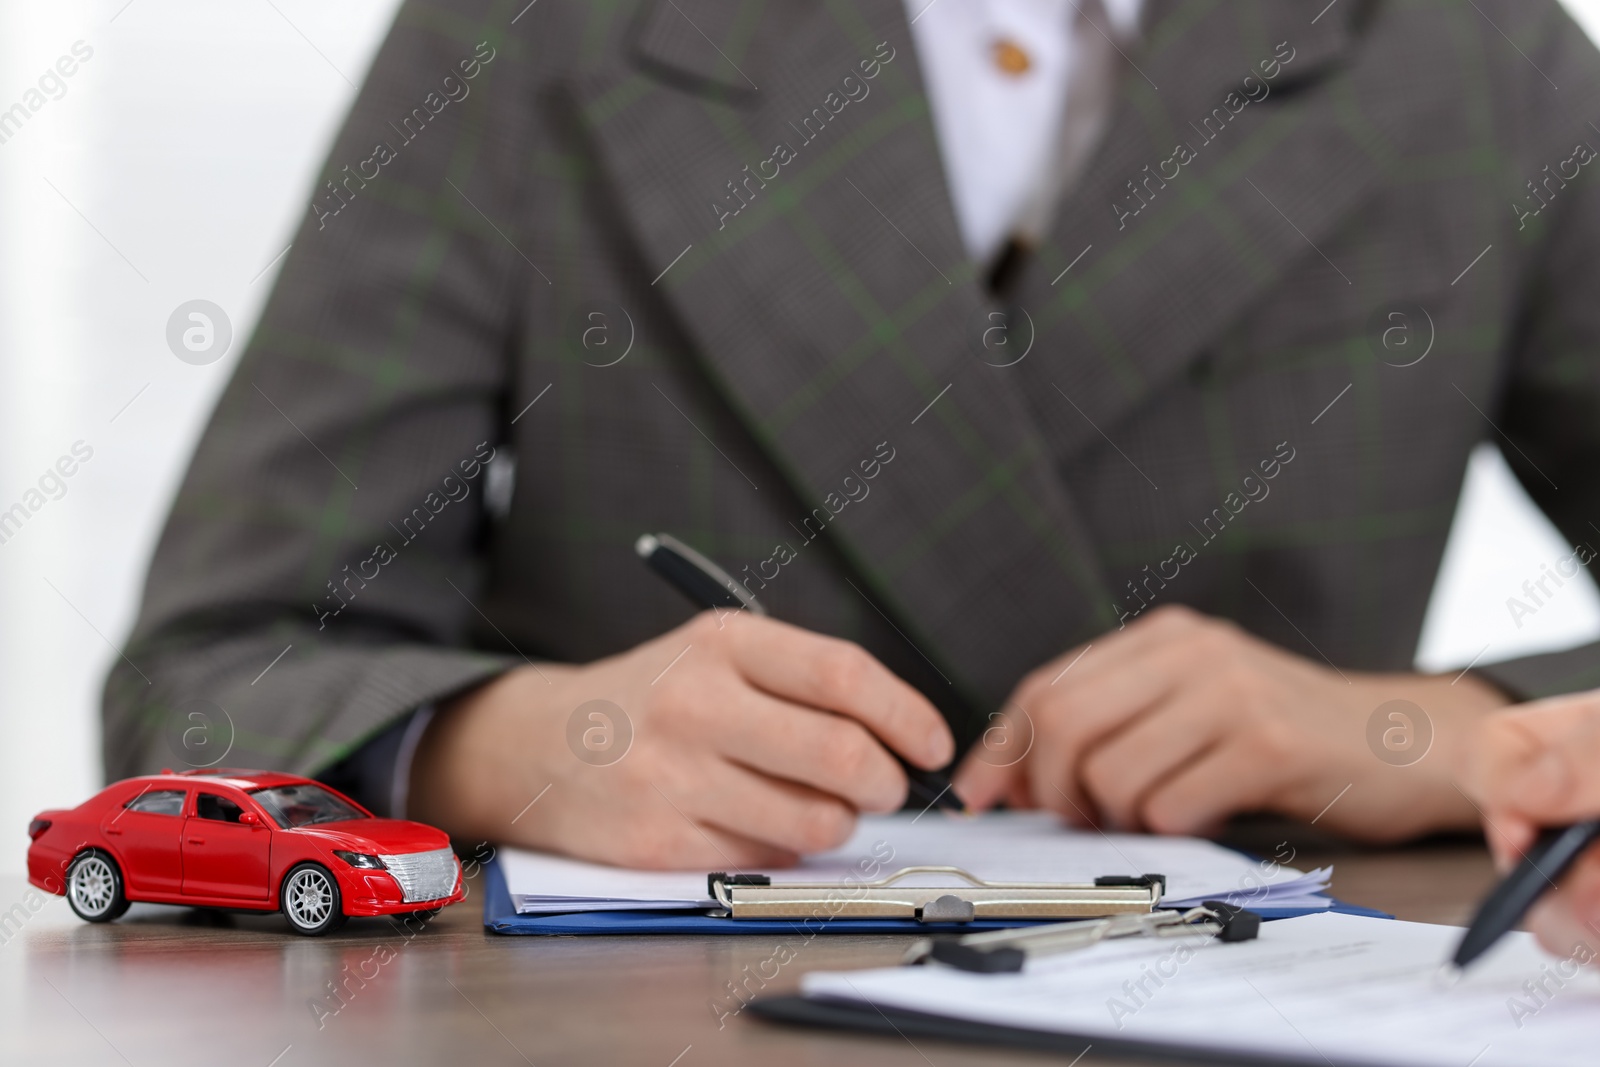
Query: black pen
x,y
709,586
1549,858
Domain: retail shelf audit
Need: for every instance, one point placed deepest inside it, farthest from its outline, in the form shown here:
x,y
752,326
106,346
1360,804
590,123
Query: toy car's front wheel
x,y
310,900
94,887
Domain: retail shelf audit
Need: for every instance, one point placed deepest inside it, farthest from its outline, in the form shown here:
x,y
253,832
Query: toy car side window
x,y
219,809
158,802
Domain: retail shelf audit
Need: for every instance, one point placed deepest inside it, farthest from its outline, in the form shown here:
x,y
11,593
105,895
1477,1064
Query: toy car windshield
x,y
304,805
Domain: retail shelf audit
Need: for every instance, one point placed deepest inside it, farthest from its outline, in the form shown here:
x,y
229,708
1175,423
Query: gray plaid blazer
x,y
693,267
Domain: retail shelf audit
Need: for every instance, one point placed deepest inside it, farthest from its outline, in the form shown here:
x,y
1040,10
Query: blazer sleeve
x,y
1548,416
315,579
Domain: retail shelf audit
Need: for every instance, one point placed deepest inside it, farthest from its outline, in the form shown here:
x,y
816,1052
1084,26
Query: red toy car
x,y
246,840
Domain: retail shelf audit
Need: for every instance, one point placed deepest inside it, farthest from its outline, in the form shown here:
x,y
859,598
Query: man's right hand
x,y
753,742
1535,767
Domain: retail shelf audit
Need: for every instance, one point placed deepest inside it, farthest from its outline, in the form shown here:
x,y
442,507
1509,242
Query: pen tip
x,y
1447,975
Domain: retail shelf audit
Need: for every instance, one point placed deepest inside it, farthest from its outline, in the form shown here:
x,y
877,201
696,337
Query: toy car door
x,y
223,857
145,830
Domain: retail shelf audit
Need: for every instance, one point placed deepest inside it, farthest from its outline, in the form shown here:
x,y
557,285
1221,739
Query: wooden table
x,y
168,987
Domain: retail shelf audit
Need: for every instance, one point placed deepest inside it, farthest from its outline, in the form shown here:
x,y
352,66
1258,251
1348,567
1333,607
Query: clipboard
x,y
500,916
1216,920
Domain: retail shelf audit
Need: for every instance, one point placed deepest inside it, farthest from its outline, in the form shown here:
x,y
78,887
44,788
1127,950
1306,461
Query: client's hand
x,y
741,742
1535,767
1181,720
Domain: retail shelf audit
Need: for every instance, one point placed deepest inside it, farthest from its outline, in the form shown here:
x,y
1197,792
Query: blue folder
x,y
500,916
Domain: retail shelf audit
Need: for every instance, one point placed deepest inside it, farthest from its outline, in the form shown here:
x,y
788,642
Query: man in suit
x,y
1106,427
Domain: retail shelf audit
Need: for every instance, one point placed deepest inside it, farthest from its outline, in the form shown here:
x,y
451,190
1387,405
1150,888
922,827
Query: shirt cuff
x,y
400,775
378,774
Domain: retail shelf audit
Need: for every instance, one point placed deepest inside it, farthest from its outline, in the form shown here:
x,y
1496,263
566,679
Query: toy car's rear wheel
x,y
310,900
94,887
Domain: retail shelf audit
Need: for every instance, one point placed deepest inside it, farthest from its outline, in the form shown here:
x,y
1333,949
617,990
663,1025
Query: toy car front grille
x,y
424,875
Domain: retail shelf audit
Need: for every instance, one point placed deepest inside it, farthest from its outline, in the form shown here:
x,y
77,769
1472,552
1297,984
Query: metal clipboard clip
x,y
1005,951
753,896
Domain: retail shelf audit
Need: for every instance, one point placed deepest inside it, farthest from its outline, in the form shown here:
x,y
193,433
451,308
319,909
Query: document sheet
x,y
1325,989
1001,846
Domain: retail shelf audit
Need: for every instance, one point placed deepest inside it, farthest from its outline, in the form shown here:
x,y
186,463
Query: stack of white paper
x,y
1319,989
998,847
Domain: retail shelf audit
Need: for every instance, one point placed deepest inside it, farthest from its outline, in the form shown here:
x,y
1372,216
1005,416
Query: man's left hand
x,y
1181,720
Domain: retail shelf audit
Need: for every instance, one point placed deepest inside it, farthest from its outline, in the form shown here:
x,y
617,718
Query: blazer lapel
x,y
798,223
1164,255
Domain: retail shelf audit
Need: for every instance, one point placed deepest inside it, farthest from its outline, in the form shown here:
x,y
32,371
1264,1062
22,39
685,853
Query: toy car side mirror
x,y
250,818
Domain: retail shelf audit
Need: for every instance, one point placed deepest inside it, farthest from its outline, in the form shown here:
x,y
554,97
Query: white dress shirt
x,y
997,130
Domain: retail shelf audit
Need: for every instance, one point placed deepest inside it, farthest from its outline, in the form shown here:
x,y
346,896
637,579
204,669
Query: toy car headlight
x,y
360,859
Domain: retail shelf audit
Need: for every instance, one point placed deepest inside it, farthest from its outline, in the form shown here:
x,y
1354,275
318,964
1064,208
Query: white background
x,y
175,167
